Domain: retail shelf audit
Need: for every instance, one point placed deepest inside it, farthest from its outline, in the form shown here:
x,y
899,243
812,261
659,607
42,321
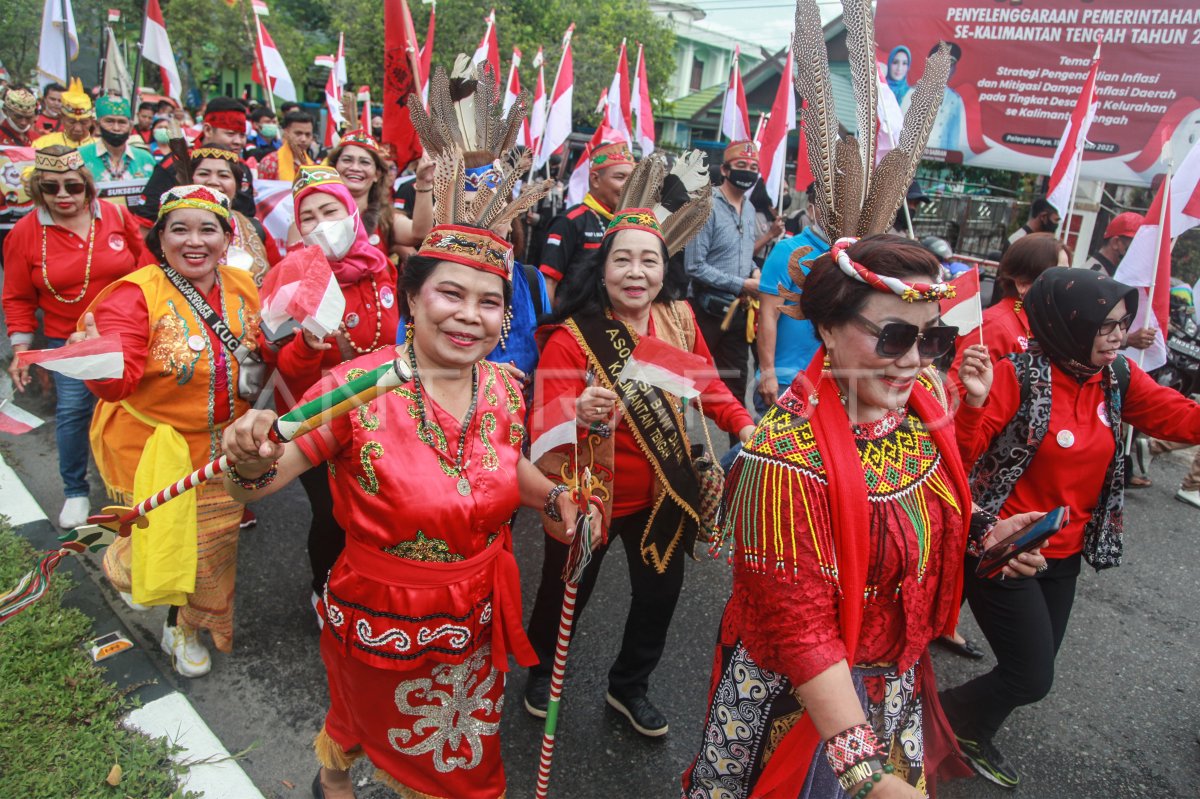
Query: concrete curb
x,y
164,711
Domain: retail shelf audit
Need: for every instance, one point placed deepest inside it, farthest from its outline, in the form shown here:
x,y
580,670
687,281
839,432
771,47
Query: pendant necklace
x,y
425,433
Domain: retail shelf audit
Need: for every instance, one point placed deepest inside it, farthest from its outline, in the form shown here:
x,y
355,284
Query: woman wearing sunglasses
x,y
849,511
1068,396
56,260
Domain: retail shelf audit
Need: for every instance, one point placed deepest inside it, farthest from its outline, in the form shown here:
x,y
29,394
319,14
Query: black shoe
x,y
965,649
537,694
318,790
987,760
642,714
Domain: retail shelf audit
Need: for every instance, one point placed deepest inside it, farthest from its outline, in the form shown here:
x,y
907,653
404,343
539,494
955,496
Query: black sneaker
x,y
537,694
642,714
987,760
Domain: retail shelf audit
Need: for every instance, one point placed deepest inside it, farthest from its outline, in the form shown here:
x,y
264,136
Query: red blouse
x,y
1005,331
560,378
1072,475
116,250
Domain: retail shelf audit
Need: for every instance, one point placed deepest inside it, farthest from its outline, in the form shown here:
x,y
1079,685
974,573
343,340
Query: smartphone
x,y
1027,538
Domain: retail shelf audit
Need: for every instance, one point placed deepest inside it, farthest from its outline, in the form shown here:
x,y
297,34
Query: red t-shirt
x,y
1005,330
1072,475
116,250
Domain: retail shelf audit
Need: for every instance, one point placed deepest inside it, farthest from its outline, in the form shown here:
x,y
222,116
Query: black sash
x,y
660,432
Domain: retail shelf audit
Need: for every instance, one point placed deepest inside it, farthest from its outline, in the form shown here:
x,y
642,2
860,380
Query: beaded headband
x,y
20,101
634,219
200,153
193,196
360,138
612,154
308,177
909,292
226,120
67,162
741,151
75,101
469,246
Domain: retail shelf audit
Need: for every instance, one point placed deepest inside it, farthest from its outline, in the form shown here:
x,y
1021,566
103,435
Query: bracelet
x,y
869,785
254,484
423,191
982,523
551,507
853,754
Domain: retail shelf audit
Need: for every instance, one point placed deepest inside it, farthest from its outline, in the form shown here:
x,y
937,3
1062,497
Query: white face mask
x,y
335,237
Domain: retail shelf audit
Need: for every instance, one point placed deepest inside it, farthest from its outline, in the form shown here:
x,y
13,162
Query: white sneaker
x,y
188,655
1188,497
128,599
75,512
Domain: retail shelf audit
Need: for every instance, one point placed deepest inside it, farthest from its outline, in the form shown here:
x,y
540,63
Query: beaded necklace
x,y
87,269
425,433
378,326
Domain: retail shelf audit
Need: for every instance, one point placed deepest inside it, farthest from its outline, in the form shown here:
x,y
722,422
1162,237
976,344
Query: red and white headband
x,y
909,292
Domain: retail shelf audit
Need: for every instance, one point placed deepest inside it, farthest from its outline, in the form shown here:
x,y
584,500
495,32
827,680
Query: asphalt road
x,y
1122,720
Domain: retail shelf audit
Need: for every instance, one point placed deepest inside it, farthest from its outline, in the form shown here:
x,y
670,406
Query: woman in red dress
x,y
849,502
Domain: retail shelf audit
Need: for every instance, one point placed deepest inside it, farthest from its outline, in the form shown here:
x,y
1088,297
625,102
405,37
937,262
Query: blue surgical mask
x,y
270,131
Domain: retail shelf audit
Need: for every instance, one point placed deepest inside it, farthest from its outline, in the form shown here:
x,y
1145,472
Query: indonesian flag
x,y
274,208
156,48
965,309
425,53
488,50
537,114
260,8
302,287
603,104
1064,169
91,359
643,131
52,58
512,90
577,185
772,153
556,421
401,77
333,88
735,119
278,80
675,371
15,420
617,112
558,119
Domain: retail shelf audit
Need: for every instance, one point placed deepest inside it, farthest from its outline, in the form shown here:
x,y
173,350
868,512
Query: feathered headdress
x,y
473,143
672,205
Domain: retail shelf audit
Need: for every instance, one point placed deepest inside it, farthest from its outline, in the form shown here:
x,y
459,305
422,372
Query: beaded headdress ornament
x,y
67,162
193,196
20,101
672,205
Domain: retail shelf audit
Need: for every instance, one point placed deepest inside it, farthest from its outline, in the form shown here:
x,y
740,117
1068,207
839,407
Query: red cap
x,y
1125,224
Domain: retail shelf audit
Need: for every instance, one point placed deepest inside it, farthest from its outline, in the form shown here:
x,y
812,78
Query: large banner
x,y
1020,68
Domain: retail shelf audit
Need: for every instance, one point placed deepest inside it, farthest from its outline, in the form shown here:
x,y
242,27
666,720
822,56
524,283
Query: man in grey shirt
x,y
720,264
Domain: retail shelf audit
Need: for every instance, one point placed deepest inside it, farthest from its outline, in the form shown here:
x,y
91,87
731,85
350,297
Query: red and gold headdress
x,y
360,138
612,154
76,103
20,101
741,151
673,206
200,153
194,196
69,161
909,292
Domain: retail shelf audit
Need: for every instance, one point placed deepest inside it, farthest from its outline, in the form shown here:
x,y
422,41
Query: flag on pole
x,y
15,420
275,209
965,309
114,15
1152,279
772,154
735,118
91,359
302,287
52,59
618,100
537,112
401,77
156,48
602,106
1064,168
512,90
116,76
643,132
278,80
675,371
260,8
426,52
577,185
1138,263
558,119
488,51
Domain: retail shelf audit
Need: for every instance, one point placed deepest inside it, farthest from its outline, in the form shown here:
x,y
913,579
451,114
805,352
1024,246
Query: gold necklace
x,y
378,325
87,269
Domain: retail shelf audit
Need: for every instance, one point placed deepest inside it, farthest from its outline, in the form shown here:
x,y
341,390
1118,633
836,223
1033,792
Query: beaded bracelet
x,y
254,484
853,754
869,786
551,507
982,523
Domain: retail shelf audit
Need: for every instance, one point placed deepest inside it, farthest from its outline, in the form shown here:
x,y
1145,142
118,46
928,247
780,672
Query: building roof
x,y
690,105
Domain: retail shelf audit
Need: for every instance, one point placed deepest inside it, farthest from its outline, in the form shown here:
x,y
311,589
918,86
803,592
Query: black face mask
x,y
1049,226
744,179
114,139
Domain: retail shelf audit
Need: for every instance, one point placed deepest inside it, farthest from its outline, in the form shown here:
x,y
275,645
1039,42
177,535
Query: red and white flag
x,y
556,421
735,118
1064,169
675,371
558,119
425,52
278,80
1138,264
618,100
512,90
15,420
156,48
577,184
965,309
336,64
772,153
488,51
275,209
537,112
260,8
90,359
114,15
643,132
302,287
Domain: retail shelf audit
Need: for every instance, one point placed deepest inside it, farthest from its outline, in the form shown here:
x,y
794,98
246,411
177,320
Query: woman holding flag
x,y
187,324
630,434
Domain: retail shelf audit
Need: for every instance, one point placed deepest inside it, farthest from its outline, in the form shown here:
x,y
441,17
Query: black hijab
x,y
1066,308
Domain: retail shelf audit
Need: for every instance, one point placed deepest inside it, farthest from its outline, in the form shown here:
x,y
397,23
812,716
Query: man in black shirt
x,y
1117,238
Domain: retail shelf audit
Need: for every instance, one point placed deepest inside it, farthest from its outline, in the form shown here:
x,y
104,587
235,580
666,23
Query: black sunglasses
x,y
896,338
73,187
1109,325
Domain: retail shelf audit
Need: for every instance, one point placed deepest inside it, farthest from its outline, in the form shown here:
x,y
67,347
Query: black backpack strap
x,y
535,288
1023,363
1123,374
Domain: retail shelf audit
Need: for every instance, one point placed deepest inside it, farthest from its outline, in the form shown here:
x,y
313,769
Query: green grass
x,y
60,730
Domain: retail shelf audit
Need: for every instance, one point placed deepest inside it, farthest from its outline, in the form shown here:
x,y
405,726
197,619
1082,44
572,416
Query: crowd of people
x,y
875,455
